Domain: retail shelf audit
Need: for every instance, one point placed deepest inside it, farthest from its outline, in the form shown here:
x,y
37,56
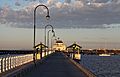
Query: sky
x,y
92,23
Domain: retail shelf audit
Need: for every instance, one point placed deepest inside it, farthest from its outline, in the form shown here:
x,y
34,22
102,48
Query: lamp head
x,y
53,33
47,17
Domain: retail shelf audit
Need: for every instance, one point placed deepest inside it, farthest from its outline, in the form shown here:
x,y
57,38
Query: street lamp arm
x,y
45,30
51,38
34,21
48,38
48,14
49,26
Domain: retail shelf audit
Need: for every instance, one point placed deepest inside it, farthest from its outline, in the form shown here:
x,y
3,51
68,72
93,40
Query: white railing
x,y
12,61
9,62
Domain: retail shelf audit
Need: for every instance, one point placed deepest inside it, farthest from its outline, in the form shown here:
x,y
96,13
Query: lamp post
x,y
34,24
45,31
48,37
52,38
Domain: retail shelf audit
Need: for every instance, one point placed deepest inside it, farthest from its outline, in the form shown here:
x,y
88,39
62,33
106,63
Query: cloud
x,y
17,4
51,1
77,14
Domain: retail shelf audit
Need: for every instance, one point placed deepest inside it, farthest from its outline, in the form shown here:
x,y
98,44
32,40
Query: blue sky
x,y
91,25
14,4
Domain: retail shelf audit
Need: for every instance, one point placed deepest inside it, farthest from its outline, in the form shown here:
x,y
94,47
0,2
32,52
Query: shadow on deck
x,y
57,65
54,65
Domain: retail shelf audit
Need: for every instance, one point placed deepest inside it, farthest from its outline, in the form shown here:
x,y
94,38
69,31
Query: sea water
x,y
102,66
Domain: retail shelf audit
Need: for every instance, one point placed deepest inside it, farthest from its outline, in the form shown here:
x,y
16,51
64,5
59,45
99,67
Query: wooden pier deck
x,y
57,65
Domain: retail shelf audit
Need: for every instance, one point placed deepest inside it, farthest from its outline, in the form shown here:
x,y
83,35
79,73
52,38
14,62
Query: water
x,y
102,66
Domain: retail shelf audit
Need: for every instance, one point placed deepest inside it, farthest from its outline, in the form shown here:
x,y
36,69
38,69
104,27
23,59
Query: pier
x,y
56,64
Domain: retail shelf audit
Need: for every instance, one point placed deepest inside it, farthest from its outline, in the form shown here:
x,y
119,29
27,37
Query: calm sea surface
x,y
102,66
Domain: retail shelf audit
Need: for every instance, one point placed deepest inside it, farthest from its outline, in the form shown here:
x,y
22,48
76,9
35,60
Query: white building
x,y
59,46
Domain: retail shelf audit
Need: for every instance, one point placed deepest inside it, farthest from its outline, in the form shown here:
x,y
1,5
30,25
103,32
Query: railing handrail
x,y
11,61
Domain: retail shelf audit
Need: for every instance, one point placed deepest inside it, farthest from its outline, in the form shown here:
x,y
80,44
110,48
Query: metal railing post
x,y
2,65
9,62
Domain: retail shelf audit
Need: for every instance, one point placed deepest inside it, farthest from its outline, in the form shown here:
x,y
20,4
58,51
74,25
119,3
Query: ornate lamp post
x,y
34,24
52,38
48,37
45,31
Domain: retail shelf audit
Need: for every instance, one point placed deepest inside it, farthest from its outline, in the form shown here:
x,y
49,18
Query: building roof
x,y
74,45
59,41
43,46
